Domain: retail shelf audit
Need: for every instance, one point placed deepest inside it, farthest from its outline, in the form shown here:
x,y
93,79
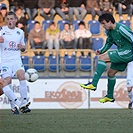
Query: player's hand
x,y
1,39
97,52
21,47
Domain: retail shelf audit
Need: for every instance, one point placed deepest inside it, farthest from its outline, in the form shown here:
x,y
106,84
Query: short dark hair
x,y
37,22
11,13
107,17
18,7
67,23
52,23
3,8
81,23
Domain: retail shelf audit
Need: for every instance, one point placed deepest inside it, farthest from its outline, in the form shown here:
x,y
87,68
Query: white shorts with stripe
x,y
9,69
130,74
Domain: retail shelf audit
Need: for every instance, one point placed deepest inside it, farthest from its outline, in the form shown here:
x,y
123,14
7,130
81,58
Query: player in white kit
x,y
130,83
11,47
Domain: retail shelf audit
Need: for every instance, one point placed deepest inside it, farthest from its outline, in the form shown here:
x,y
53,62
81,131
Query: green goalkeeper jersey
x,y
122,37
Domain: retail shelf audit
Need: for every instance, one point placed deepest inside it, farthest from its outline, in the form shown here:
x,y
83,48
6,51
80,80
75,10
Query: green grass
x,y
68,121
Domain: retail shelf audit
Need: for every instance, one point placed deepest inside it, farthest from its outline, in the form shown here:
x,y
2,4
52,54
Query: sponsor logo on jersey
x,y
12,46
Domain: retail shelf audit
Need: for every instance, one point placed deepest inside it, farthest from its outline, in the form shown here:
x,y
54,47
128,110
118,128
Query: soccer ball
x,y
31,75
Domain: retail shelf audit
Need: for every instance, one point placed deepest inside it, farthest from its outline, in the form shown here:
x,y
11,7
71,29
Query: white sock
x,y
9,93
130,95
11,102
23,89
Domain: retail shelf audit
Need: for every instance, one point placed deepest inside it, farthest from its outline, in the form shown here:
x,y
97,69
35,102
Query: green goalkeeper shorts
x,y
117,62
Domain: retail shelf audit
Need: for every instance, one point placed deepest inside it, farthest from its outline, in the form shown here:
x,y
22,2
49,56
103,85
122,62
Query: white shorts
x,y
130,74
10,68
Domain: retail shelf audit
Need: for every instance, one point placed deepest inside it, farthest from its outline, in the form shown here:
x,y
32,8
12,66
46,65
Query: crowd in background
x,y
68,10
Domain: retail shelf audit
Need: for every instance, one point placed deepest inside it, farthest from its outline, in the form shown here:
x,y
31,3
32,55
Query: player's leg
x,y
23,90
1,86
7,88
6,82
18,70
14,108
130,95
117,64
101,66
130,83
8,92
111,83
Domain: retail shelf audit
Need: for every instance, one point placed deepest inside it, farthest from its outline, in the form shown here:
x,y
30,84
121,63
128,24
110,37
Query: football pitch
x,y
68,121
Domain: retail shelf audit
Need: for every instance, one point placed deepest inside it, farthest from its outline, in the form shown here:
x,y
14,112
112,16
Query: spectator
x,y
52,36
93,8
37,38
106,6
31,9
67,38
15,3
62,9
125,6
132,5
47,9
83,37
22,21
4,3
3,12
77,7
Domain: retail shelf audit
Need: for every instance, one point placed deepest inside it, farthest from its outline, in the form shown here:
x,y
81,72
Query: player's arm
x,y
1,39
106,46
21,47
126,33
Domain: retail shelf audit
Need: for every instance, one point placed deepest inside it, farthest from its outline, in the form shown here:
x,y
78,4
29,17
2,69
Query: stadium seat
x,y
53,62
97,43
45,24
125,22
94,27
26,62
39,63
70,63
95,61
30,24
85,63
29,21
75,24
61,24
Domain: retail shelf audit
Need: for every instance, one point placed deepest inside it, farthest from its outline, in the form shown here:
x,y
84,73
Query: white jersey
x,y
9,49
